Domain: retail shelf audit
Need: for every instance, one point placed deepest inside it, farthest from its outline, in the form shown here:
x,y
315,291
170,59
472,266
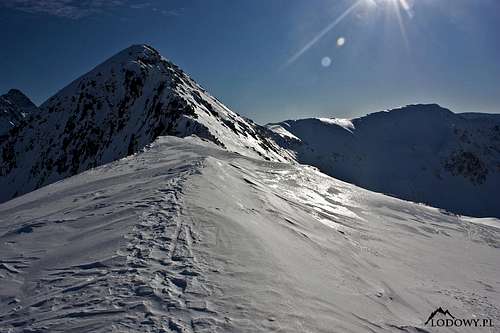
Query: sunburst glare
x,y
323,33
397,7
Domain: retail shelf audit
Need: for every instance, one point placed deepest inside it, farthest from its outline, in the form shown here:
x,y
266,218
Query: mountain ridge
x,y
423,153
115,110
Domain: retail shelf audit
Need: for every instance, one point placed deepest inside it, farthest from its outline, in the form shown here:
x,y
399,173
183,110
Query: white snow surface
x,y
280,130
188,237
344,123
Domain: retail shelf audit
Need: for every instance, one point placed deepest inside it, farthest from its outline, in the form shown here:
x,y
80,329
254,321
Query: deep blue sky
x,y
240,51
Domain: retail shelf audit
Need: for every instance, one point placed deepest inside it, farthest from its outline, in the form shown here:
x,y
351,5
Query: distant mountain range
x,y
423,153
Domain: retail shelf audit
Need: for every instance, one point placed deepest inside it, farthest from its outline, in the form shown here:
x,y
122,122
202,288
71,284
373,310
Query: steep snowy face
x,y
115,110
423,153
14,108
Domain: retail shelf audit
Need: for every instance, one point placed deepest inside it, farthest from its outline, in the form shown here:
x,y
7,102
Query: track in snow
x,y
110,253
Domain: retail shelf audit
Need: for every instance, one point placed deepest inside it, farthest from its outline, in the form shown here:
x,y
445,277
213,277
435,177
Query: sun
x,y
399,5
399,8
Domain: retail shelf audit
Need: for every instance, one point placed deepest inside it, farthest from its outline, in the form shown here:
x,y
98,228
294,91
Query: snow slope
x,y
14,108
423,153
188,237
115,110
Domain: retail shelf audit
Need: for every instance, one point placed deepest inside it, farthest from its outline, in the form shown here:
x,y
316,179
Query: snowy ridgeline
x,y
188,237
423,153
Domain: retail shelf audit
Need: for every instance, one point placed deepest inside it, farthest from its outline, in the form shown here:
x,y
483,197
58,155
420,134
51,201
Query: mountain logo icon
x,y
437,311
449,320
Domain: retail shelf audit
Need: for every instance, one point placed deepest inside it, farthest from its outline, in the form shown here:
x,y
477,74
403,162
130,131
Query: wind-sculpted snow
x,y
422,153
188,237
114,111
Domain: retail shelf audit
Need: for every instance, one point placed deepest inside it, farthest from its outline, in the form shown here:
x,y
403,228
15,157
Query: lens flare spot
x,y
340,41
326,62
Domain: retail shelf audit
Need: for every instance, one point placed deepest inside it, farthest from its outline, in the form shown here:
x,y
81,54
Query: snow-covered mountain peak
x,y
138,82
115,110
136,51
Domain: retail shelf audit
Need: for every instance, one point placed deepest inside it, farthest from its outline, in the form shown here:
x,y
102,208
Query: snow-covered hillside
x,y
14,108
115,110
423,153
188,237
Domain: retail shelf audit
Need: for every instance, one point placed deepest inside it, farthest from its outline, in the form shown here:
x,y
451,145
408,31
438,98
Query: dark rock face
x,y
114,111
14,108
17,97
468,165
